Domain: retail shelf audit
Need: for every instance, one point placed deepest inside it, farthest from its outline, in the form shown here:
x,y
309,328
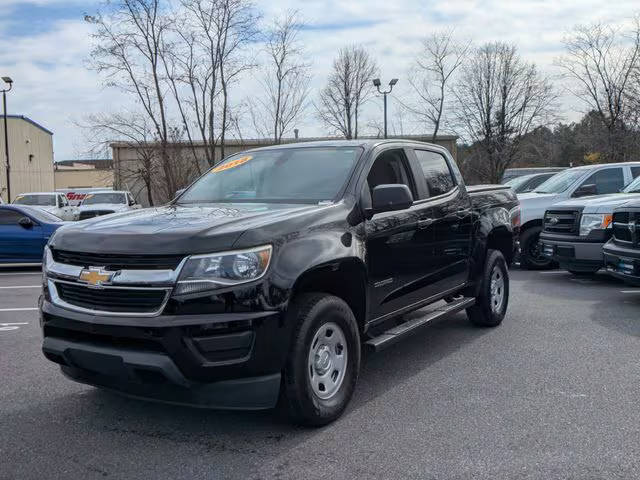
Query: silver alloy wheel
x,y
497,289
327,360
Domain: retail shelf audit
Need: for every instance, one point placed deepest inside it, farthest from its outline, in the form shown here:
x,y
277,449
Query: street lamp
x,y
376,83
9,82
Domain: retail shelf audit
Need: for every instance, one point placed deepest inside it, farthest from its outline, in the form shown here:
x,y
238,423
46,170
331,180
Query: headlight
x,y
206,272
594,221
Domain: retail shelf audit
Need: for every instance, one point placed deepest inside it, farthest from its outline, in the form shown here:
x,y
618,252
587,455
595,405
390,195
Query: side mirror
x,y
390,197
25,222
178,193
586,190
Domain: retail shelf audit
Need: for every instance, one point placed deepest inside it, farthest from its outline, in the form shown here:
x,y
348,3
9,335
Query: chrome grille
x,y
562,221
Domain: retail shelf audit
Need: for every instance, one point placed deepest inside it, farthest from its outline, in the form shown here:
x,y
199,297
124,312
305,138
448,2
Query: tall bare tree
x,y
603,64
430,77
500,98
348,88
285,80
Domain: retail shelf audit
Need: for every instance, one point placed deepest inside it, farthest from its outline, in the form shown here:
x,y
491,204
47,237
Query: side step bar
x,y
398,332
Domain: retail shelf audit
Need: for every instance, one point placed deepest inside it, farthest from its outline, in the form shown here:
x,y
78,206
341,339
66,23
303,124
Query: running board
x,y
398,332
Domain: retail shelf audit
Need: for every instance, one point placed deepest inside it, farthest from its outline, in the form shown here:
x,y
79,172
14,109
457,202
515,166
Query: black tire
x,y
530,256
484,313
311,312
583,273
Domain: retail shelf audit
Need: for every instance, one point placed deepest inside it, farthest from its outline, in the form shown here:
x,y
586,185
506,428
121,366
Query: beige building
x,y
30,157
130,161
83,174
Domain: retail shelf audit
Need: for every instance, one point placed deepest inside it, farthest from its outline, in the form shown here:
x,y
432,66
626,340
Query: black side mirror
x,y
390,197
586,190
25,222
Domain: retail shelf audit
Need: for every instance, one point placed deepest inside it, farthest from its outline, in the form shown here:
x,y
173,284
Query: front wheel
x,y
493,297
531,256
324,361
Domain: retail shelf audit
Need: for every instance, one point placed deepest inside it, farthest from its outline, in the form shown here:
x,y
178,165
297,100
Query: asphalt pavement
x,y
554,392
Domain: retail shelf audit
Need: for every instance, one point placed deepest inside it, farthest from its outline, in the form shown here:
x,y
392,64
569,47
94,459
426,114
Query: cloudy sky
x,y
44,46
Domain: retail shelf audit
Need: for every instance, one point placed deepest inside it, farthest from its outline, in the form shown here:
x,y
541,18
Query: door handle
x,y
426,223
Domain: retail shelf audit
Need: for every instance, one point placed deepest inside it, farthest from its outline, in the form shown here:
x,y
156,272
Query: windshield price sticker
x,y
232,164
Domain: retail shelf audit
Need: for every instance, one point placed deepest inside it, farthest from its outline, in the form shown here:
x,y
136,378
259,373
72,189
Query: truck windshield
x,y
296,175
633,187
37,200
95,198
560,182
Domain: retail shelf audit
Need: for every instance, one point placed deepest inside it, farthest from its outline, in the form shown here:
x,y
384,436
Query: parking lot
x,y
553,392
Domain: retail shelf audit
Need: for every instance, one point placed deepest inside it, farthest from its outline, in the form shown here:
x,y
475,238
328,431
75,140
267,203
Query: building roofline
x,y
32,122
261,142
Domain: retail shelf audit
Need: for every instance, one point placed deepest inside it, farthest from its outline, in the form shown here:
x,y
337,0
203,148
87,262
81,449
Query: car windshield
x,y
515,183
296,175
36,200
108,197
560,182
633,187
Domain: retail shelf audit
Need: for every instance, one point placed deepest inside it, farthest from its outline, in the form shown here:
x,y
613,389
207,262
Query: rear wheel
x,y
531,256
493,298
324,361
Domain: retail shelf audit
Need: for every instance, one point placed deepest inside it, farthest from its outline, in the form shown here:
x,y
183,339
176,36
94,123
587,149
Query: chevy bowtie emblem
x,y
95,276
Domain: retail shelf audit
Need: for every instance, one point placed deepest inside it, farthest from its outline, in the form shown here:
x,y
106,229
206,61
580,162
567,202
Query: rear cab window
x,y
436,171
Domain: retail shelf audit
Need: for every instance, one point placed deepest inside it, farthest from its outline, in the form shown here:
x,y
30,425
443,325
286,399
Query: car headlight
x,y
594,221
216,270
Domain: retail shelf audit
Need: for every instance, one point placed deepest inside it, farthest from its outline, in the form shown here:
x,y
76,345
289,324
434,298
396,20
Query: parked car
x,y
575,182
53,202
622,252
511,173
97,204
24,231
528,183
270,269
76,195
576,230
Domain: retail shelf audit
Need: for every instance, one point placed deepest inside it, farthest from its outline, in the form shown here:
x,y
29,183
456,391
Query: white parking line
x,y
21,286
554,271
630,291
27,309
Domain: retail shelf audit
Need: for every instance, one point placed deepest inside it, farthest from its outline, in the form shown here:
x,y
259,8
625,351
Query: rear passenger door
x,y
447,218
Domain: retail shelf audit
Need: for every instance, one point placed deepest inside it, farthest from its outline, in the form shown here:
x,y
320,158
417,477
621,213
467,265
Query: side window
x,y
9,217
389,167
436,172
608,180
635,172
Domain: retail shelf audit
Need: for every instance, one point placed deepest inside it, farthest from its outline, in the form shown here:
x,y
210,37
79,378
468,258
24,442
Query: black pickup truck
x,y
269,273
622,252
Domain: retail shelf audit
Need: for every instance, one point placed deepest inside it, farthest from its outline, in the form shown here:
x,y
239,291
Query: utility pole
x,y
376,83
9,82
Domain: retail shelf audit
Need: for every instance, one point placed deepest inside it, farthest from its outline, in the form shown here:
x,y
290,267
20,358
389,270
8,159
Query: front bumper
x,y
623,263
572,253
226,360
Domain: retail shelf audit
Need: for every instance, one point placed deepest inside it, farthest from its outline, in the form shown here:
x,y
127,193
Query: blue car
x,y
24,232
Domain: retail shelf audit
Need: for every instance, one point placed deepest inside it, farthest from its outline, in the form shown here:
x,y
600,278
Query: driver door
x,y
19,244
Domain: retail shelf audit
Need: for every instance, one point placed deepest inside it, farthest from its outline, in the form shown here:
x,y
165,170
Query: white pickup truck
x,y
104,203
53,202
572,183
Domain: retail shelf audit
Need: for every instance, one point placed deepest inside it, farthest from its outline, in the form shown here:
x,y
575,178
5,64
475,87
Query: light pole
x,y
376,83
9,82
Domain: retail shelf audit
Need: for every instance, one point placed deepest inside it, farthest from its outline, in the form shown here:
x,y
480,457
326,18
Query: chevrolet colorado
x,y
268,274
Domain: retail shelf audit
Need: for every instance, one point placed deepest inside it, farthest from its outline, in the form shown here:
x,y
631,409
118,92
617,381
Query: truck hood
x,y
173,229
116,207
533,205
599,203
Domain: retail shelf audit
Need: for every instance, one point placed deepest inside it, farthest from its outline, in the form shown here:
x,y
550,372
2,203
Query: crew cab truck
x,y
270,273
622,252
576,230
570,184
